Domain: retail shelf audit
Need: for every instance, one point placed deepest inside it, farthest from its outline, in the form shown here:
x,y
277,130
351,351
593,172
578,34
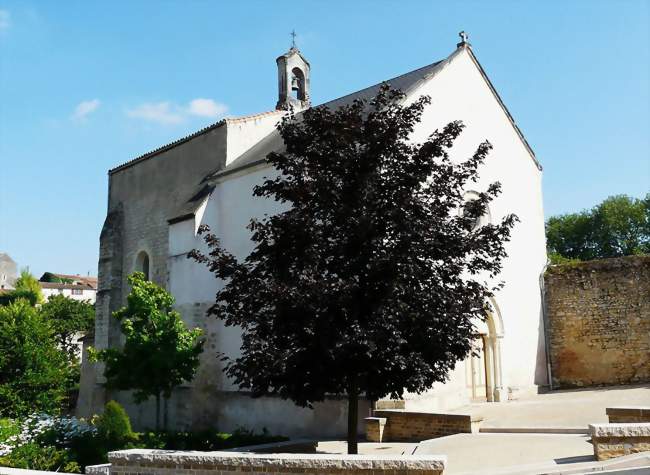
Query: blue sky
x,y
85,86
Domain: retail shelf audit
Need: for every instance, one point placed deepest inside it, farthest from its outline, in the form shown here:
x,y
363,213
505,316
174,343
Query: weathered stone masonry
x,y
162,462
599,322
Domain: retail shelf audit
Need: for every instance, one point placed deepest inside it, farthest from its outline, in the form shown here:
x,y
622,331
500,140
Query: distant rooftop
x,y
68,279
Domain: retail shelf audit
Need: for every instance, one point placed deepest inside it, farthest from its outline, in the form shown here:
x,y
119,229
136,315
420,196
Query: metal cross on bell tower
x,y
293,39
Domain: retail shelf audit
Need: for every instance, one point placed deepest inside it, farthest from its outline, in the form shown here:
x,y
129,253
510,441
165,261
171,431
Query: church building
x,y
156,203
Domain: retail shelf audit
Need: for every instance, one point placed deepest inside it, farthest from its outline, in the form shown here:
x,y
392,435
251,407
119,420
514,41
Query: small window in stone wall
x,y
142,264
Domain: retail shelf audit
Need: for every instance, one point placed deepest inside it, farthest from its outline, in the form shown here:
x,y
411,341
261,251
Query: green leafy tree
x,y
33,370
159,352
7,297
49,277
69,318
370,282
28,283
619,226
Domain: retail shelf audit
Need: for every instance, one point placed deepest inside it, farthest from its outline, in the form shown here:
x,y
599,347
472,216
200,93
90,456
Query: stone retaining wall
x,y
628,414
616,440
403,426
163,462
598,316
20,471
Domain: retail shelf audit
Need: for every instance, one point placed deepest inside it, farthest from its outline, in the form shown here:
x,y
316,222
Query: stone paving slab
x,y
569,408
367,448
480,453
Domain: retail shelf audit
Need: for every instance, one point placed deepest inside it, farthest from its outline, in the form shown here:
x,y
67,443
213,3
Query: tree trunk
x,y
165,412
353,414
157,412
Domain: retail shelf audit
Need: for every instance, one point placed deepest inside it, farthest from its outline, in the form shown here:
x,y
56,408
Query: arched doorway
x,y
483,366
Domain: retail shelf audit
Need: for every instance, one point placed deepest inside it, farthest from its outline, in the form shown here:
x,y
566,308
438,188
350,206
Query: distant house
x,y
8,272
76,287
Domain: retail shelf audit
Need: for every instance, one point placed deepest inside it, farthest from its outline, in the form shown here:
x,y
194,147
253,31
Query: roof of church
x,y
177,142
273,142
256,155
406,83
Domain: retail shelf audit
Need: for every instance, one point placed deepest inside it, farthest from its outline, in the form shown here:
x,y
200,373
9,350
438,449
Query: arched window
x,y
298,84
142,264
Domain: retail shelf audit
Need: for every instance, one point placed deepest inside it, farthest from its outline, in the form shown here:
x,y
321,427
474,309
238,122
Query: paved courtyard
x,y
483,453
570,408
500,453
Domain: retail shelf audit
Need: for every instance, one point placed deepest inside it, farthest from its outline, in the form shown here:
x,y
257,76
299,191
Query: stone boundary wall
x,y
403,426
20,471
616,440
598,316
167,462
390,404
628,414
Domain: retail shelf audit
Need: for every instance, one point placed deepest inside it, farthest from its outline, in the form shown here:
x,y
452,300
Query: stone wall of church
x,y
599,322
143,196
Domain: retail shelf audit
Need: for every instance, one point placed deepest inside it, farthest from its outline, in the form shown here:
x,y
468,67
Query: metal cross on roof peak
x,y
293,39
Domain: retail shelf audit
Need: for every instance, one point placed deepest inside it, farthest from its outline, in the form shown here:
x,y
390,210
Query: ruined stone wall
x,y
599,322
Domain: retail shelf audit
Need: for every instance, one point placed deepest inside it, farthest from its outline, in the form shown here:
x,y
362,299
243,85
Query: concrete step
x,y
534,430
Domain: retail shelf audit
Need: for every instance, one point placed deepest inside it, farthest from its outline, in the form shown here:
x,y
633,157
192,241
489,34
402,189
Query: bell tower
x,y
293,79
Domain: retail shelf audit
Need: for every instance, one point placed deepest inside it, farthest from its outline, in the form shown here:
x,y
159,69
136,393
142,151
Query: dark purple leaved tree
x,y
368,284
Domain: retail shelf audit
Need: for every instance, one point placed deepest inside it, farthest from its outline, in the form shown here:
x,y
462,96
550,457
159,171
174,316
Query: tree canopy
x,y
28,283
69,318
159,352
370,282
33,370
619,226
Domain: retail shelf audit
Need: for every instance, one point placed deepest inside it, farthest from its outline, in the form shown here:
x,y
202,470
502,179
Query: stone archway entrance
x,y
483,366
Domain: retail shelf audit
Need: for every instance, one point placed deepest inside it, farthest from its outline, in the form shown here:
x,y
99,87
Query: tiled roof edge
x,y
164,148
230,120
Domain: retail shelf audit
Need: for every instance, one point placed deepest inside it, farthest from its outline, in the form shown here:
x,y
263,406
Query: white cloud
x,y
207,108
84,108
4,20
169,114
160,112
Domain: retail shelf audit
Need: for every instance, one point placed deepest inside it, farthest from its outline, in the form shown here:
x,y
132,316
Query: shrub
x,y
204,440
36,457
50,443
8,428
114,426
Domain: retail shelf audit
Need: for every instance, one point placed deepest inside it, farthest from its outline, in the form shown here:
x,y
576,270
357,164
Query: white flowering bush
x,y
46,430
